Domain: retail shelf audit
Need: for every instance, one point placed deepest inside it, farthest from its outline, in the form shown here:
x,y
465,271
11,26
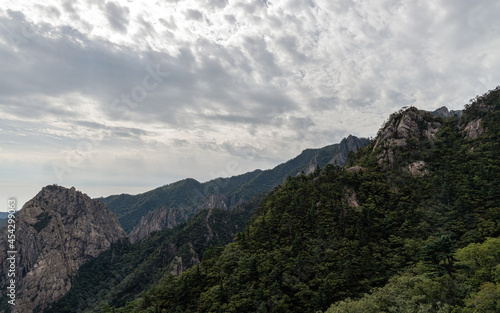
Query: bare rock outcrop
x,y
474,129
444,112
340,153
417,168
213,201
56,233
351,198
311,167
169,218
356,169
348,144
157,220
403,131
178,265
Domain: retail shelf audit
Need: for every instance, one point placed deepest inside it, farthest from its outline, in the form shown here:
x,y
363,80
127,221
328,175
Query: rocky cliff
x,y
169,218
444,112
157,220
351,143
56,232
336,154
404,132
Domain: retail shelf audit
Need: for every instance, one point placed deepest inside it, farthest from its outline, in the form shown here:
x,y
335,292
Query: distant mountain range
x,y
183,199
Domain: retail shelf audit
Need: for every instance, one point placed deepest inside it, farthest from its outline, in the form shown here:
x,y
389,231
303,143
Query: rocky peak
x,y
56,232
348,144
353,143
404,130
444,112
471,123
339,151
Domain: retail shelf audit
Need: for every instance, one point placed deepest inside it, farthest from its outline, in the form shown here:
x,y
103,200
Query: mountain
x,y
373,236
126,270
166,240
444,112
408,224
187,197
403,138
129,209
56,232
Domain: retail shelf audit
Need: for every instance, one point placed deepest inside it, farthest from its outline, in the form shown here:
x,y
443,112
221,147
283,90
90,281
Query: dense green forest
x,y
373,236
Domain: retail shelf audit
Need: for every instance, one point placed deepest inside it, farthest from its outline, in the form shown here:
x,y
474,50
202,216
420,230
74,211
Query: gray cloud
x,y
49,11
117,16
68,6
194,15
113,132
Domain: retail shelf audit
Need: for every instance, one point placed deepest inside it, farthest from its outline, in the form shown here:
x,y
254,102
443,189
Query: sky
x,y
124,96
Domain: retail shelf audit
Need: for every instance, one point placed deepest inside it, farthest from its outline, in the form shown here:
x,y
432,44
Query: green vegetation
x,y
377,239
473,287
129,209
125,270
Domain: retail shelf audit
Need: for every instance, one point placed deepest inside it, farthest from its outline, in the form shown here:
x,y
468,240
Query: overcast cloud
x,y
125,96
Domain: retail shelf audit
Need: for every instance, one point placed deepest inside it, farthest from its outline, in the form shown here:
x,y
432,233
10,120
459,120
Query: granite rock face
x,y
444,112
157,220
56,232
417,169
351,143
474,129
403,131
169,218
214,201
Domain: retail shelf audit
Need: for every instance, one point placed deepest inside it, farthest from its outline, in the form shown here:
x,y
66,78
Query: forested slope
x,y
393,219
127,270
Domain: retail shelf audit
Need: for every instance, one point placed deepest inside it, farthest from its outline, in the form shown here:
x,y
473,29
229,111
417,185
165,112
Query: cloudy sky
x,y
124,96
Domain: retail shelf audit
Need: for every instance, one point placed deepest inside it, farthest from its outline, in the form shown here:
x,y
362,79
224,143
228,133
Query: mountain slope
x,y
174,250
189,195
340,233
125,270
129,209
457,270
57,232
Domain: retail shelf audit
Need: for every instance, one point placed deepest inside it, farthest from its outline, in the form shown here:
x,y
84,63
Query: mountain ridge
x,y
188,194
